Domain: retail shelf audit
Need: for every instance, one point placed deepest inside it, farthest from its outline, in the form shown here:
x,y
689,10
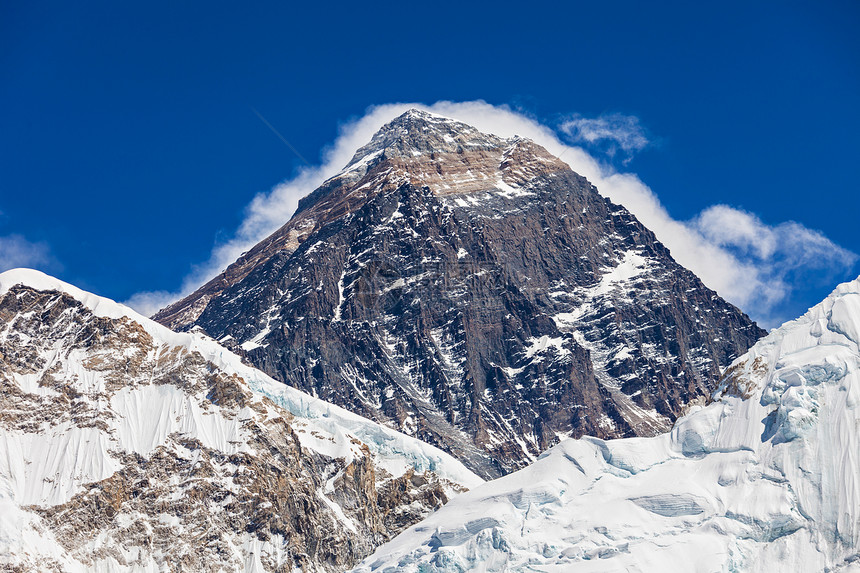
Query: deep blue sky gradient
x,y
128,144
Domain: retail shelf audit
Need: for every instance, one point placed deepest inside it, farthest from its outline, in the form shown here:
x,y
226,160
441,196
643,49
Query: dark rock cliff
x,y
476,293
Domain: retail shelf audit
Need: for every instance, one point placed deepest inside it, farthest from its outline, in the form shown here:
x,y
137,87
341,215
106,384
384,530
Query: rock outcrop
x,y
124,446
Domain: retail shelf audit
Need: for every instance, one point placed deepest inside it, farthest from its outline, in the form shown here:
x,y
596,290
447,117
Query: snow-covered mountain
x,y
476,293
766,478
127,447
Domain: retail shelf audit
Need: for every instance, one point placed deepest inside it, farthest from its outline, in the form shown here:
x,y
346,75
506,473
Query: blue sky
x,y
129,148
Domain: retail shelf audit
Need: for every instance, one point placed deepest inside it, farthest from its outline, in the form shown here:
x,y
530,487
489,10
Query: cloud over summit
x,y
749,263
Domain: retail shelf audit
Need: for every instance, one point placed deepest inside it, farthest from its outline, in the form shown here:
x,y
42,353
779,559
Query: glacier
x,y
764,478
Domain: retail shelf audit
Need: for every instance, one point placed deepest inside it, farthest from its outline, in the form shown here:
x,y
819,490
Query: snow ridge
x,y
92,410
397,450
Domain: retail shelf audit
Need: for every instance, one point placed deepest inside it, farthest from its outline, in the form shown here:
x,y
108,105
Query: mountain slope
x,y
125,446
476,293
764,479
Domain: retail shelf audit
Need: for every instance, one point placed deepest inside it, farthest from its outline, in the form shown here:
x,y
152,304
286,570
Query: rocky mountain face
x,y
476,293
124,446
762,479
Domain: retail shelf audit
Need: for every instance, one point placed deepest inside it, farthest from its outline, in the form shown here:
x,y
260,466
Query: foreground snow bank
x,y
766,478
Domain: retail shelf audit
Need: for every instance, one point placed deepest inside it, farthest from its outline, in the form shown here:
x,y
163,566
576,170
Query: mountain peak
x,y
446,155
417,132
421,115
419,118
40,281
473,290
28,277
417,147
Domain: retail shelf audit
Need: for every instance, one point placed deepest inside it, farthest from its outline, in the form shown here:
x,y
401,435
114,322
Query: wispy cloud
x,y
148,303
16,251
610,133
748,262
780,257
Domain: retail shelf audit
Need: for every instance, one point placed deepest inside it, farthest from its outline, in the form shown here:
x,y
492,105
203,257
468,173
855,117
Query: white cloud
x,y
790,243
779,257
16,251
610,132
729,227
734,253
148,303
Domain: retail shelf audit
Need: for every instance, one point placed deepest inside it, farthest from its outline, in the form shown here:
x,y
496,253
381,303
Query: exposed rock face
x,y
476,293
761,479
124,446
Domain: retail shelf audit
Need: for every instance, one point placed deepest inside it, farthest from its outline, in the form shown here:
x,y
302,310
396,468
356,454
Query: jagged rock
x,y
124,446
474,292
761,479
